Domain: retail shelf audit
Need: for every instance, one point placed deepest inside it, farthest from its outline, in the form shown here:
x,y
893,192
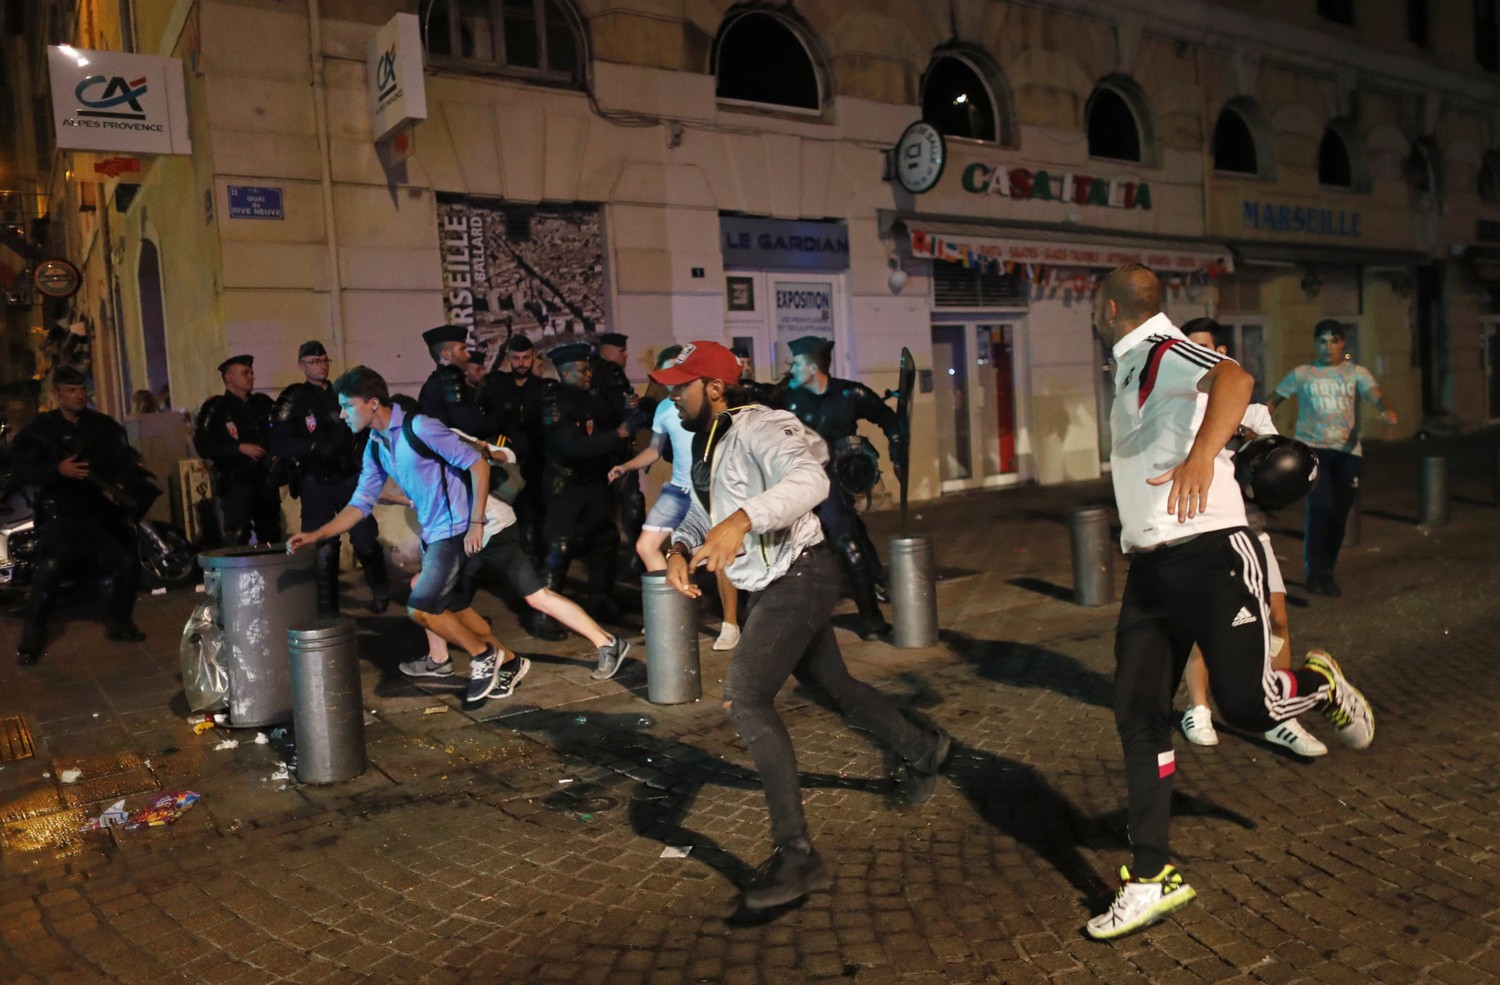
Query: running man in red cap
x,y
757,476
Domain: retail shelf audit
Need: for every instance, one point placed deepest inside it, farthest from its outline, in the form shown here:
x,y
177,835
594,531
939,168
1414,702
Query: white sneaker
x,y
729,637
1299,740
1198,726
1347,709
1141,902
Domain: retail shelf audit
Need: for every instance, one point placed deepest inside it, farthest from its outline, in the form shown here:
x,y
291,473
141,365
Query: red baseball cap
x,y
708,360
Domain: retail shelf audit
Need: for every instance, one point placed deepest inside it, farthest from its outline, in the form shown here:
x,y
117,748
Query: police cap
x,y
311,348
572,352
616,339
444,333
810,345
248,361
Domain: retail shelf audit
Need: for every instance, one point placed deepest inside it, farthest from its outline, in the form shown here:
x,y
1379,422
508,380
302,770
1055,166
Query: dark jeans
x,y
788,632
1328,506
81,547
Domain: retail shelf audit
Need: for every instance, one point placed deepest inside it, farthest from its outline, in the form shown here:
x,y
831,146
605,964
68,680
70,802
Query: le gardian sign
x,y
1067,187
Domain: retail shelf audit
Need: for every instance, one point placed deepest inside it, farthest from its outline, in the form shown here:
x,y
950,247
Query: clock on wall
x,y
919,157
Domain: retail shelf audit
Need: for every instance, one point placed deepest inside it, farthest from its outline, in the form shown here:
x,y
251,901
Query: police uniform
x,y
447,397
323,457
515,403
581,447
613,387
249,498
835,414
81,531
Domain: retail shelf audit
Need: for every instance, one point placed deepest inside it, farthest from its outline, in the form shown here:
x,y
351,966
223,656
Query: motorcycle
x,y
166,556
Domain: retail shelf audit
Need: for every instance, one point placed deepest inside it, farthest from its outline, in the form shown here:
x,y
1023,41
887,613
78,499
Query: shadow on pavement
x,y
1041,587
1025,665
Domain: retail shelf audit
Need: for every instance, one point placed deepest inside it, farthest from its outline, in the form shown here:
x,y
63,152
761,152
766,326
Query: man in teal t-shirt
x,y
1328,394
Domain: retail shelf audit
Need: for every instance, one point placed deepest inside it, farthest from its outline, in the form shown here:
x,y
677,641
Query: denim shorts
x,y
442,564
668,510
504,556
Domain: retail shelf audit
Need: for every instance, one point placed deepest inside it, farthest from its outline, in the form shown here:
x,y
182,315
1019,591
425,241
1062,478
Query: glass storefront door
x,y
978,393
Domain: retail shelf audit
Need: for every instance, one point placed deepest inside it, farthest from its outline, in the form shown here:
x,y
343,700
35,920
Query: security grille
x,y
956,286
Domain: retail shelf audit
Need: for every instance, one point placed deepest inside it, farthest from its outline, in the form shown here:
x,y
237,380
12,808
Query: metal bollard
x,y
913,576
1093,559
1353,524
1432,495
672,674
328,710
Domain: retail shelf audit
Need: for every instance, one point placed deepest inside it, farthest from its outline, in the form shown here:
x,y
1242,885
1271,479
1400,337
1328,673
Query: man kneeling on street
x,y
757,477
452,520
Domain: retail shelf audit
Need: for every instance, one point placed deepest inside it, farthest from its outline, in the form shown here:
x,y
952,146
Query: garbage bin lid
x,y
259,556
323,628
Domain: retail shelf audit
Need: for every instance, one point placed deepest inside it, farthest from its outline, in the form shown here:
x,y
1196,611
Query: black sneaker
x,y
127,633
1323,585
484,671
508,676
611,656
793,870
922,782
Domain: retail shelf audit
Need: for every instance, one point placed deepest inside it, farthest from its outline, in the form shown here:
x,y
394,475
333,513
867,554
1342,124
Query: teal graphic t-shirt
x,y
1328,403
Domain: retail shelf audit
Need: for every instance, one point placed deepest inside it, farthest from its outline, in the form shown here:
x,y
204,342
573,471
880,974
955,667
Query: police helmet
x,y
1275,471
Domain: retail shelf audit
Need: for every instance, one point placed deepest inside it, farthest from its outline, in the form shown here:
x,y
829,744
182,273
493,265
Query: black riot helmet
x,y
1275,471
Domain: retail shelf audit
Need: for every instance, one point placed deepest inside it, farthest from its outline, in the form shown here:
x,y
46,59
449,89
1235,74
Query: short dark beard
x,y
702,421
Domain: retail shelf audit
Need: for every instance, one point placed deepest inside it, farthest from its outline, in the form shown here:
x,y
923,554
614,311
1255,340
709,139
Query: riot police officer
x,y
446,395
613,386
583,437
232,432
323,457
89,488
513,394
833,407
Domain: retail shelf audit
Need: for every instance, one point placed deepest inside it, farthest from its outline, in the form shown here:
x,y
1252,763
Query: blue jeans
x,y
788,632
1328,506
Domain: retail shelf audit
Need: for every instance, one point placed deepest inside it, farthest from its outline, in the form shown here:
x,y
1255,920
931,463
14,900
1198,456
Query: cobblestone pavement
x,y
523,841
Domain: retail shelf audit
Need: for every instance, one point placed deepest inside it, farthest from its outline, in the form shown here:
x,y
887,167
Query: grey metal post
x,y
1432,498
328,710
672,674
263,591
1093,557
913,576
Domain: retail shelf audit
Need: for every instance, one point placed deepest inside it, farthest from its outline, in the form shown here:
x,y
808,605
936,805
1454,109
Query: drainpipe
x,y
1206,163
325,167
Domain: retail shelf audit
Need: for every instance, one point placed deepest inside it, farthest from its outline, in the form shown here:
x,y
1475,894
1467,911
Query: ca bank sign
x,y
393,75
118,101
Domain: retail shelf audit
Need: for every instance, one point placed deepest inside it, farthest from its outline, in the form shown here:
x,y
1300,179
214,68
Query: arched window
x,y
761,57
1489,178
1334,166
541,39
1424,167
963,96
1117,123
1234,144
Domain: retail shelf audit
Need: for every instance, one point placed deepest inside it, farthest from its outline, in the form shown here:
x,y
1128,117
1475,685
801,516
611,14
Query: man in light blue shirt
x,y
452,520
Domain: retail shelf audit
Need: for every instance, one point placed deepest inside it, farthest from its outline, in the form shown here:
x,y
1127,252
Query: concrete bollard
x,y
1093,556
1432,494
328,710
672,672
913,575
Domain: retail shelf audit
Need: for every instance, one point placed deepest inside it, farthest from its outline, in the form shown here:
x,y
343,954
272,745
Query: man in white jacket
x,y
757,476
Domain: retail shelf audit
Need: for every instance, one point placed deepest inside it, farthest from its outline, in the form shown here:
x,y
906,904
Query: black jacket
x,y
307,429
517,410
226,422
582,444
446,396
97,439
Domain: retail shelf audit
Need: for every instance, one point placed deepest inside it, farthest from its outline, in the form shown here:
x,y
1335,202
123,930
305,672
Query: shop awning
x,y
1484,262
1284,254
988,244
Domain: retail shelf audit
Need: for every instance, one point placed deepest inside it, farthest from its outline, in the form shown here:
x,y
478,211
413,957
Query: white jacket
x,y
771,466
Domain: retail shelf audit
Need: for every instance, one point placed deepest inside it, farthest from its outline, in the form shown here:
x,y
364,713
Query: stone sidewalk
x,y
523,841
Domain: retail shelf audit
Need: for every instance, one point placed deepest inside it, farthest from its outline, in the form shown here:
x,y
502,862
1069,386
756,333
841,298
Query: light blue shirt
x,y
668,422
441,498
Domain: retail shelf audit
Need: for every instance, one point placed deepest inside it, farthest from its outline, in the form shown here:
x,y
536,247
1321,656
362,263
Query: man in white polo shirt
x,y
1197,575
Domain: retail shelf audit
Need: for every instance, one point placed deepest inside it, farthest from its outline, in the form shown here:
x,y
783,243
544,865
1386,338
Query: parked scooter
x,y
167,558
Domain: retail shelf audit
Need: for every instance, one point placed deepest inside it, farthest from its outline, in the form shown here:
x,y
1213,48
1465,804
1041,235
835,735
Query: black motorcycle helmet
x,y
1275,471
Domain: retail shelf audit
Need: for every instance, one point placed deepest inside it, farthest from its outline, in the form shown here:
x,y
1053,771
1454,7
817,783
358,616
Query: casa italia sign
x,y
1064,187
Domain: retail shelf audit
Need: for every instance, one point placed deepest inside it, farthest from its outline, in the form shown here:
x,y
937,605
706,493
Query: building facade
x,y
729,171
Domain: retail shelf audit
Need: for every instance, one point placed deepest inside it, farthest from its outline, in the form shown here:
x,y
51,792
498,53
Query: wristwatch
x,y
675,551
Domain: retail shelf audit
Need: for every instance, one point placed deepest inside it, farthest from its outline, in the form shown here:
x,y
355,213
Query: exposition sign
x,y
803,309
118,101
393,75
